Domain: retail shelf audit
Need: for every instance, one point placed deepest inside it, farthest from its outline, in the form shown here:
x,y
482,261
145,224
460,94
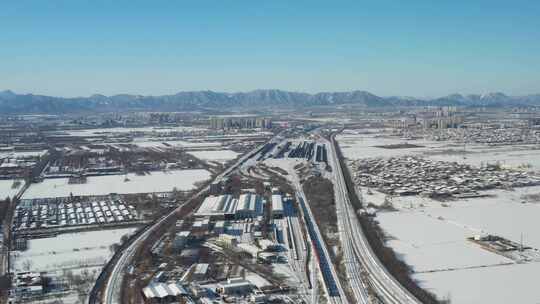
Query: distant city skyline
x,y
421,49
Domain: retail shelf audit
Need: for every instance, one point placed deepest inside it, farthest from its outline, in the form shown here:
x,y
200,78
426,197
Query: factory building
x,y
250,205
219,227
218,207
163,293
236,286
277,206
199,272
180,239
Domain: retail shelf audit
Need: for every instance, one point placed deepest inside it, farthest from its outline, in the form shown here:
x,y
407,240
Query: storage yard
x,y
43,214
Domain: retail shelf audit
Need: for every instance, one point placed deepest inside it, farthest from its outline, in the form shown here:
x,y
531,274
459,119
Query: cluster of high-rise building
x,y
240,122
429,118
440,117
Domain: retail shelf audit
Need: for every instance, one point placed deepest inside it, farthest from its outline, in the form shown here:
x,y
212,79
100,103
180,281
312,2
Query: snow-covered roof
x,y
222,204
277,203
162,290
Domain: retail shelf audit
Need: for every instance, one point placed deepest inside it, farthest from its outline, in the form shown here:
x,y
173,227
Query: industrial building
x,y
199,272
180,239
163,293
249,205
277,206
236,286
222,206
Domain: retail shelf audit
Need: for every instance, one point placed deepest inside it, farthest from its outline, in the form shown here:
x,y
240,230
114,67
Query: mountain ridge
x,y
12,103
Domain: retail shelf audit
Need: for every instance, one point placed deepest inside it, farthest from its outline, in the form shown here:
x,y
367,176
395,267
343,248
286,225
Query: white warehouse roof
x,y
214,205
250,203
277,203
162,290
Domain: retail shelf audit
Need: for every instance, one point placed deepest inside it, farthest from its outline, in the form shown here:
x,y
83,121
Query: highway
x,y
113,283
358,254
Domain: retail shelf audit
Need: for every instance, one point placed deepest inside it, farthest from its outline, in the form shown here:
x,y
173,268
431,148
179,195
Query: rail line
x,y
109,281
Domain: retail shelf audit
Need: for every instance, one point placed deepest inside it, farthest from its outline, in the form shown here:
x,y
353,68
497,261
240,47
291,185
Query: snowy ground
x,y
221,156
68,251
7,190
22,154
517,283
431,236
93,132
176,143
359,146
356,146
525,156
157,181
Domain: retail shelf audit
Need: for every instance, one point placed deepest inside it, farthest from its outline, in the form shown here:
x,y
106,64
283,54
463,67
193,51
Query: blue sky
x,y
415,48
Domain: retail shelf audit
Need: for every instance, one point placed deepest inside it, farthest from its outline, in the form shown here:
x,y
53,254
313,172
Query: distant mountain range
x,y
12,103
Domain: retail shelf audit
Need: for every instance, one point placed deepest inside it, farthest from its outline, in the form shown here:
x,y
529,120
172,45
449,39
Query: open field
x,y
157,181
73,250
22,154
504,284
356,146
120,130
6,188
175,143
515,156
215,155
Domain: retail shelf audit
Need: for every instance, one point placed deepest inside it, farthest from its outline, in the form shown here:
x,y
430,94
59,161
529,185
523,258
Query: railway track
x,y
360,256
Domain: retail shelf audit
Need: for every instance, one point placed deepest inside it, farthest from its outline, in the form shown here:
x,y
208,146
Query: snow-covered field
x,y
93,132
22,154
157,181
215,155
177,143
517,283
359,146
6,188
431,236
356,146
66,251
526,156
